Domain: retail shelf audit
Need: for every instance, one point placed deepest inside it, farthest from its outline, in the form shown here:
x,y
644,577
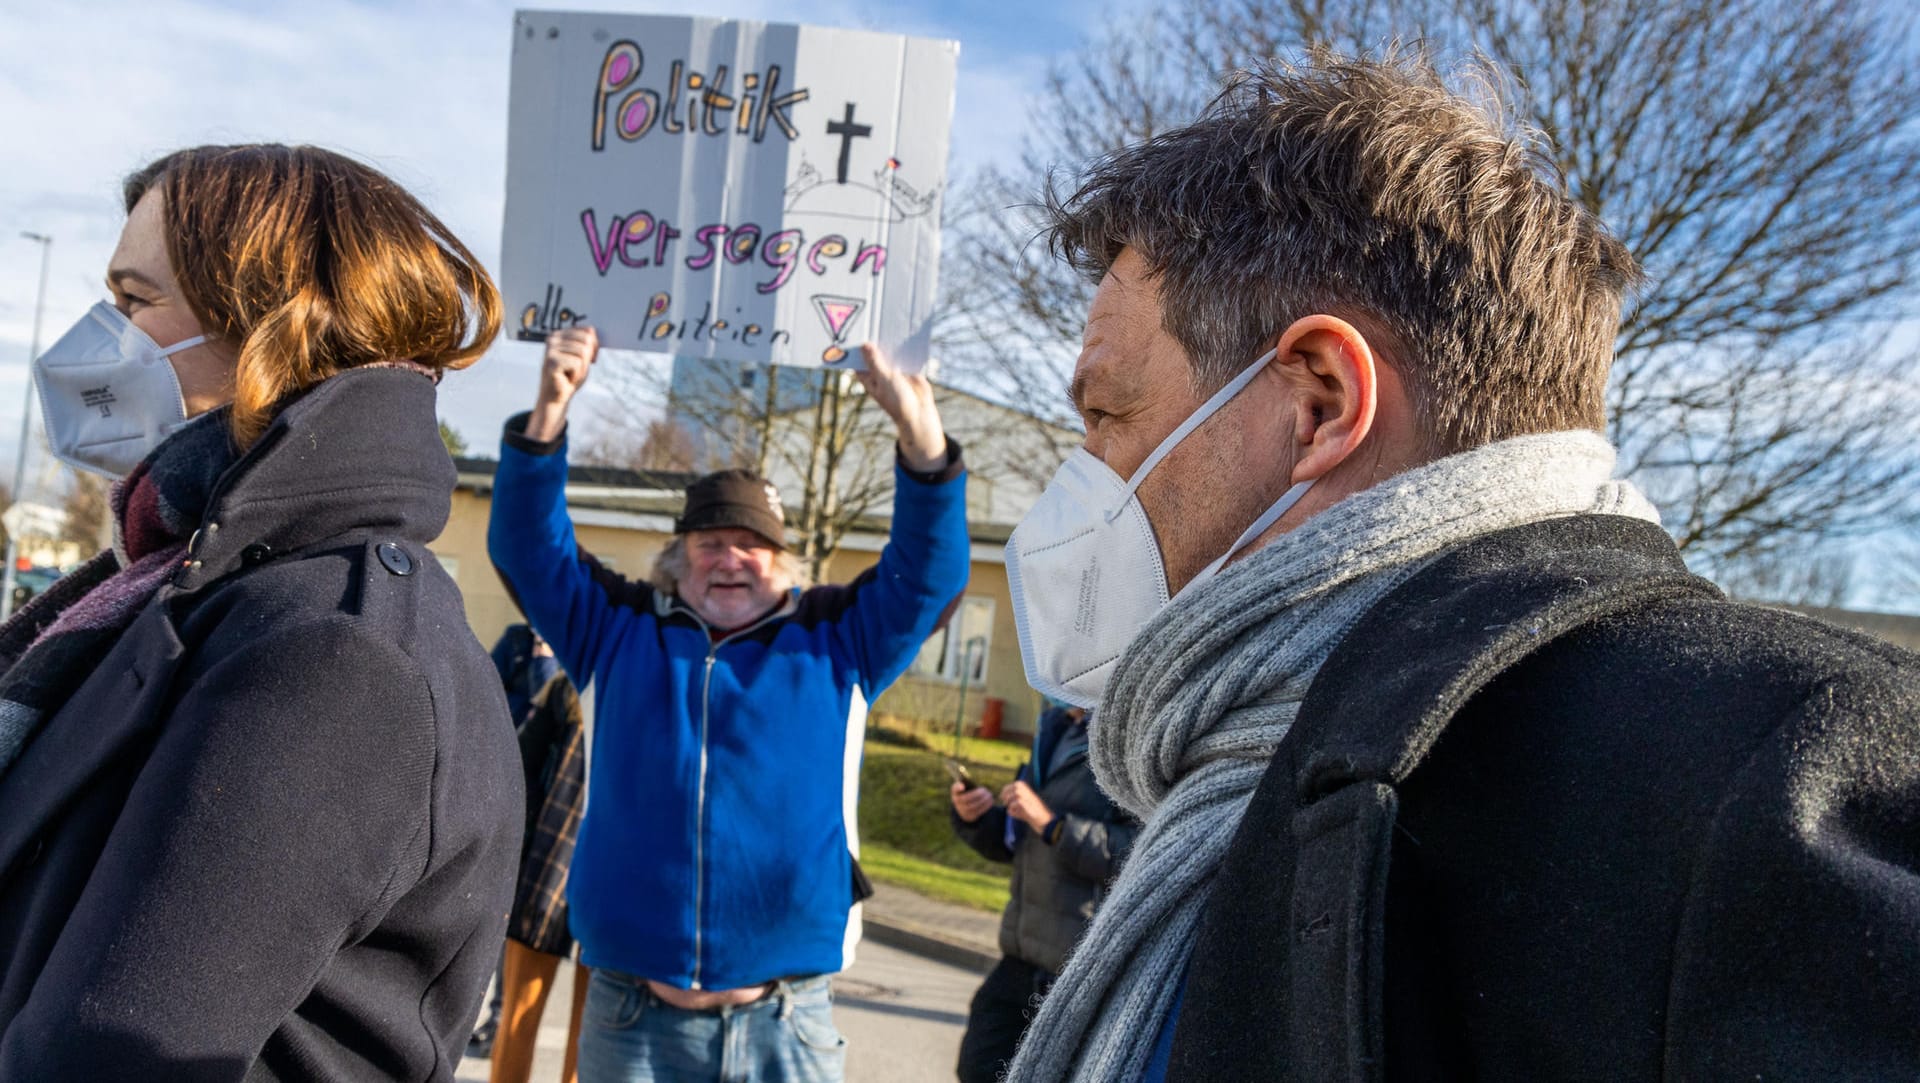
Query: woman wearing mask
x,y
259,800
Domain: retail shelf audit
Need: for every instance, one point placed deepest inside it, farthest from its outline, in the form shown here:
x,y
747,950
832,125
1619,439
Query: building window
x,y
965,641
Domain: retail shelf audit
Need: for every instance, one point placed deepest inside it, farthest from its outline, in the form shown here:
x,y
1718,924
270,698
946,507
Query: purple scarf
x,y
54,642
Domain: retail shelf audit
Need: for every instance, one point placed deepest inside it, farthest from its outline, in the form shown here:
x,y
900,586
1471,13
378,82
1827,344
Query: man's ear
x,y
1331,371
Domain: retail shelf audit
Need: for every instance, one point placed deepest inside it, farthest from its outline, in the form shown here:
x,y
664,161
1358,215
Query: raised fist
x,y
569,357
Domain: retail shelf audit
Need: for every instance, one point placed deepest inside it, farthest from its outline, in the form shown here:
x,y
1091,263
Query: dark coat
x,y
522,673
1056,886
1680,841
273,835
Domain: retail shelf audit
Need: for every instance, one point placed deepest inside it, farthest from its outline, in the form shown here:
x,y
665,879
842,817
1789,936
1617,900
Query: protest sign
x,y
728,189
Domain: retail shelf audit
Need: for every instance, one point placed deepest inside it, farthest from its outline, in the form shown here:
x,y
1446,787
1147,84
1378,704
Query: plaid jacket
x,y
554,754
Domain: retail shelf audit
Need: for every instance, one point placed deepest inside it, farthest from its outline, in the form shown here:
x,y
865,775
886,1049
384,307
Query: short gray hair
x,y
671,566
1365,189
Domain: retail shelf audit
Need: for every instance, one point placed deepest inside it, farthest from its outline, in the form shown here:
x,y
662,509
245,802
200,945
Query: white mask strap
x,y
1195,420
185,343
118,322
1259,526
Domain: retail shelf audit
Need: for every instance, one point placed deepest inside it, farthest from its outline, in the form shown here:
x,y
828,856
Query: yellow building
x,y
626,517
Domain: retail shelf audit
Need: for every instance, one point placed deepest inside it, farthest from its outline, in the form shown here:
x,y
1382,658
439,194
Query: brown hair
x,y
310,263
1367,190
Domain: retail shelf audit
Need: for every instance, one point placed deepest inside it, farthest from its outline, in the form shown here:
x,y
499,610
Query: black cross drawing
x,y
848,131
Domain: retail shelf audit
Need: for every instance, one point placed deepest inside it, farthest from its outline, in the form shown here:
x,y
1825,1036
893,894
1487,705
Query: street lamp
x,y
966,670
26,420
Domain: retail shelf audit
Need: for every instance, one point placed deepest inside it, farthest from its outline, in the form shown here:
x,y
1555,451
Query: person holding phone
x,y
712,879
1066,840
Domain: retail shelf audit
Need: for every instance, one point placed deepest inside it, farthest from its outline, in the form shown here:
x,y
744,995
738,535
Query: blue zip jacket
x,y
714,853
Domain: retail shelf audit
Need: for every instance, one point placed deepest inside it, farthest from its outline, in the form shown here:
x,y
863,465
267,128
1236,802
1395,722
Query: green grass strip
x,y
980,890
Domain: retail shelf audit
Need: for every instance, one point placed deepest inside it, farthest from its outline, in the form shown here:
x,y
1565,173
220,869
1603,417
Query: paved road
x,y
902,1016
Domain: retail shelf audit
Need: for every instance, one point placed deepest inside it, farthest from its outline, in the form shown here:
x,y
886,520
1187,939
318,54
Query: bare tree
x,y
810,431
849,463
1818,577
1759,158
668,447
638,443
89,514
1010,321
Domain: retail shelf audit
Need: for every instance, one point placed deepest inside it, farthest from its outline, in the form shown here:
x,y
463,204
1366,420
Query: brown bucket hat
x,y
739,498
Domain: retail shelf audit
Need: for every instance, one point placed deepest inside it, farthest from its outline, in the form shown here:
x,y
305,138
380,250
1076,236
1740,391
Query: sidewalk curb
x,y
928,942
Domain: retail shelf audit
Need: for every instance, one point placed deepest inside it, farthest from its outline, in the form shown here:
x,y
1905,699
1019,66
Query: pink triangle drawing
x,y
837,312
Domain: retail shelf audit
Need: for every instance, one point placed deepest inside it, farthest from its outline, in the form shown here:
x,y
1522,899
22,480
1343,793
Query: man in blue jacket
x,y
713,875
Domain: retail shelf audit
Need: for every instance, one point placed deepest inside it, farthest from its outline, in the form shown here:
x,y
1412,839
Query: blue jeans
x,y
631,1036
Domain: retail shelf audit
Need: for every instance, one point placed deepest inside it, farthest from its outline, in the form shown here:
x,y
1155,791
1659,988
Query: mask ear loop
x,y
179,392
120,325
1194,420
183,344
1258,527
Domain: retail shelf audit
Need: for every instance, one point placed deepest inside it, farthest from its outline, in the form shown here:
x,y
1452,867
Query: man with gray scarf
x,y
1448,769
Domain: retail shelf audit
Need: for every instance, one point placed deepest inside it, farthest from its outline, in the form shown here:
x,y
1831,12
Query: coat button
x,y
256,554
395,558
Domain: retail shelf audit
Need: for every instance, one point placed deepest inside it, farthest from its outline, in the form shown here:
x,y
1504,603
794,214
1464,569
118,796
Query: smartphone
x,y
959,772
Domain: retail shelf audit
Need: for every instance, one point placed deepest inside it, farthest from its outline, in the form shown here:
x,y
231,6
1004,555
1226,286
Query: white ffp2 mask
x,y
1084,565
108,392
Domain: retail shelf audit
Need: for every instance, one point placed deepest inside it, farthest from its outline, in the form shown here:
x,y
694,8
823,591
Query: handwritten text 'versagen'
x,y
641,240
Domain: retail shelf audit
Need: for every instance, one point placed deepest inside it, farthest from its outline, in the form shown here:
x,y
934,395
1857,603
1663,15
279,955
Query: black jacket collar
x,y
360,451
1437,638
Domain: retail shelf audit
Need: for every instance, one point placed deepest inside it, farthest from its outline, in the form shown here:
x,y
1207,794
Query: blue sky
x,y
90,91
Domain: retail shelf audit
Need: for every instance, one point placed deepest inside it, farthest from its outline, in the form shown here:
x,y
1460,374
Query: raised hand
x,y
907,398
971,802
563,371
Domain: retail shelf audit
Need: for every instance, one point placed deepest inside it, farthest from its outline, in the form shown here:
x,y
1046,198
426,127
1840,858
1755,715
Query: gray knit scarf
x,y
1201,699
